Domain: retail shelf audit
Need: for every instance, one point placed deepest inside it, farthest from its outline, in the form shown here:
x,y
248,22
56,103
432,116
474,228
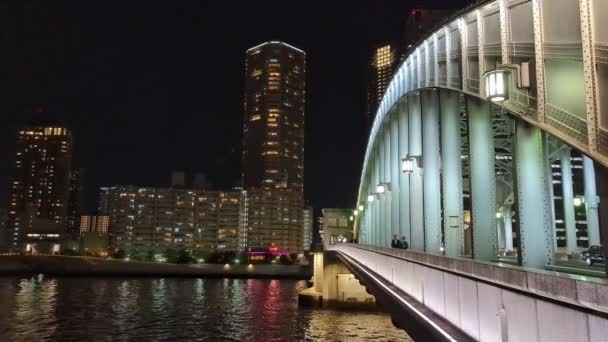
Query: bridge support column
x,y
431,176
416,189
389,229
395,185
382,198
535,229
404,178
591,205
453,220
568,200
376,203
483,179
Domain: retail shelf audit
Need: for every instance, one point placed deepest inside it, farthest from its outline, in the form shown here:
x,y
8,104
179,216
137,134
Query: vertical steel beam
x,y
404,178
591,202
483,179
389,229
568,200
537,15
431,170
416,188
376,203
395,186
589,64
451,152
381,197
535,231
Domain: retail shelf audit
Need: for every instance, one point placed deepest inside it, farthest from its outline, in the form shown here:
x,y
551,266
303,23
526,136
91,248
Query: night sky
x,y
149,87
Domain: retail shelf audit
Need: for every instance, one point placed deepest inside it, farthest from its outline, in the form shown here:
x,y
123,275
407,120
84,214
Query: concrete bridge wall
x,y
489,302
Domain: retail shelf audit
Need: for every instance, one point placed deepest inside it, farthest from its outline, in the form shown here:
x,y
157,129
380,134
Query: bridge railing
x,y
493,302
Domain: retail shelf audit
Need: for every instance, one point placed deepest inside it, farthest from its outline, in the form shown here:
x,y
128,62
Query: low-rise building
x,y
337,225
144,220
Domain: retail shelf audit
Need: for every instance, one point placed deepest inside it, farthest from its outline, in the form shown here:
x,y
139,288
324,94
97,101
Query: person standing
x,y
404,243
395,243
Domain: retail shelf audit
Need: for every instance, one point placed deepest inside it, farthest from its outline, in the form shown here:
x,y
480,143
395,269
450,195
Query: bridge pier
x,y
335,286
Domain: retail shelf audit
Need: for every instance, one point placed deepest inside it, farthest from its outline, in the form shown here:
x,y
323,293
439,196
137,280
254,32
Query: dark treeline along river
x,y
41,308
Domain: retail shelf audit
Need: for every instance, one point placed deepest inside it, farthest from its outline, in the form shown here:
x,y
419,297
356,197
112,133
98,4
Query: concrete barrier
x,y
490,302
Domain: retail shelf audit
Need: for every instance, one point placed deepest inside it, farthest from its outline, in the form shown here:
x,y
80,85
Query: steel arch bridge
x,y
482,177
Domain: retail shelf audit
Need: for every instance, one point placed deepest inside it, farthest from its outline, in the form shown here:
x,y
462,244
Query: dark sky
x,y
149,87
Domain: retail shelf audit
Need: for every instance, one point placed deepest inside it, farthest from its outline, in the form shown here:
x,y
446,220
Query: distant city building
x,y
75,203
40,186
144,219
384,61
307,228
273,146
337,225
421,21
3,229
94,224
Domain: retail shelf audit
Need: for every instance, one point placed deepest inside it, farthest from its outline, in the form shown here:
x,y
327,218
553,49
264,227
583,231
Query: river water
x,y
43,308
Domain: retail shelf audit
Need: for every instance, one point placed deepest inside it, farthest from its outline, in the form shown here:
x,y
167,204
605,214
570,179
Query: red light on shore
x,y
273,249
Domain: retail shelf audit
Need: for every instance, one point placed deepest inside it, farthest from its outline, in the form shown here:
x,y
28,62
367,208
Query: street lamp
x,y
496,81
408,163
360,207
382,188
355,212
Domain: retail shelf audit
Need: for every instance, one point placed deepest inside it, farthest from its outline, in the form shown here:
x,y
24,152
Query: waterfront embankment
x,y
89,266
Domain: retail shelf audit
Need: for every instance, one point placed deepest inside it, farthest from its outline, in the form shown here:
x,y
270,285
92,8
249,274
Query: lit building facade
x,y
307,228
94,224
337,225
144,219
384,61
273,146
39,188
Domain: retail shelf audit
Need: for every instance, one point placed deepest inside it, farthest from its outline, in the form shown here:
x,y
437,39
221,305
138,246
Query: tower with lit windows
x,y
384,61
273,145
40,185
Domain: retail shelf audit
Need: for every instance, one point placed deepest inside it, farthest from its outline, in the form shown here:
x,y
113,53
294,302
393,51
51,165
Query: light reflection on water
x,y
157,309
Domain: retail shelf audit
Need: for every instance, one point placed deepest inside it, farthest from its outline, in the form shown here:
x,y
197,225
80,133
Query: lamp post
x,y
409,162
497,88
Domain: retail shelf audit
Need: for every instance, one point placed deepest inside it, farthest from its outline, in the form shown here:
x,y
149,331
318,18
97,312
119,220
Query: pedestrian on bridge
x,y
403,243
395,243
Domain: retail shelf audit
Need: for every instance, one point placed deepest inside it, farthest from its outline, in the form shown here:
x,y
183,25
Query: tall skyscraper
x,y
39,188
75,203
273,145
421,21
307,228
384,61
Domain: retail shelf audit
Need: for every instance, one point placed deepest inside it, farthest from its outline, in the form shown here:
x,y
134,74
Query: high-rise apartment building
x,y
307,228
39,188
75,200
420,21
273,145
384,61
144,219
94,224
